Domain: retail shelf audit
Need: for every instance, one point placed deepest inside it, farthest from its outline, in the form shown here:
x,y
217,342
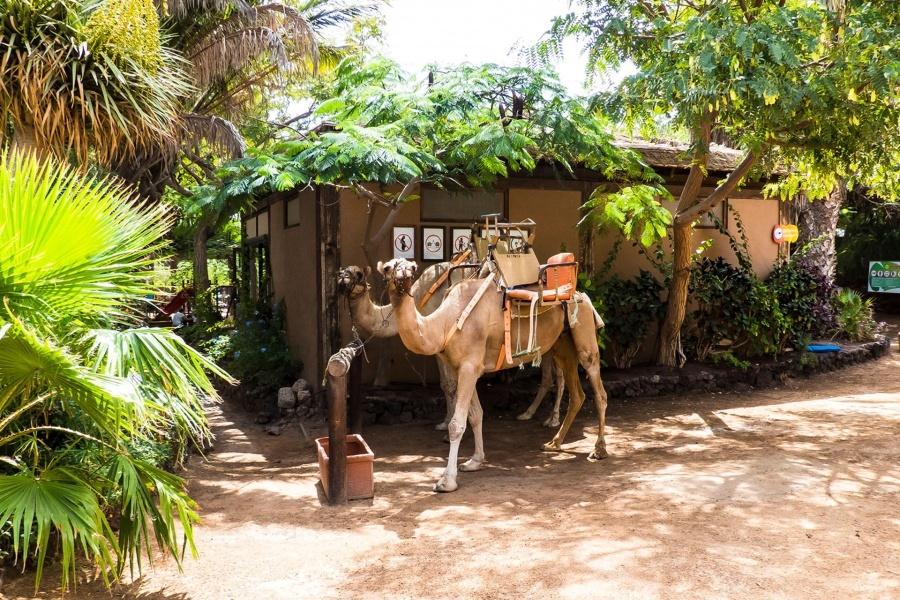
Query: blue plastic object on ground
x,y
823,348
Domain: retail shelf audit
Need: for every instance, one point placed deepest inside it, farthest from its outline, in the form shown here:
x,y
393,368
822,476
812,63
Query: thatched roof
x,y
674,154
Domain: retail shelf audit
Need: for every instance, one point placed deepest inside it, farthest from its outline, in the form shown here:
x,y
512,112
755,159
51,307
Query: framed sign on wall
x,y
459,239
433,243
403,242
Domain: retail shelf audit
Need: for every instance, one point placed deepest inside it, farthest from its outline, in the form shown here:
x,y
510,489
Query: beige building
x,y
302,237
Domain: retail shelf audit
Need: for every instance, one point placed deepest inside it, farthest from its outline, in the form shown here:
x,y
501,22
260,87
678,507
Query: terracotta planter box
x,y
360,467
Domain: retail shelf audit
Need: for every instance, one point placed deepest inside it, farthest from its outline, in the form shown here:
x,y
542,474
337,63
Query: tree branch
x,y
722,191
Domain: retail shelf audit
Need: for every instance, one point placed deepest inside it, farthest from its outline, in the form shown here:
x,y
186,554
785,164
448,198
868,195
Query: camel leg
x,y
465,389
476,415
448,386
553,419
546,384
591,363
565,355
584,339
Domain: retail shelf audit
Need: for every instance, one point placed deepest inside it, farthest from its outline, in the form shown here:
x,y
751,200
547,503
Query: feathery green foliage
x,y
80,385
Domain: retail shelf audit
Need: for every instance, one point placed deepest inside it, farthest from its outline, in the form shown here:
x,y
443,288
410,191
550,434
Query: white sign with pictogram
x,y
432,243
460,239
404,242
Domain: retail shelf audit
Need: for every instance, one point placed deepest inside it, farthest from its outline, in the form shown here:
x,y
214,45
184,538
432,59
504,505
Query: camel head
x,y
352,280
400,273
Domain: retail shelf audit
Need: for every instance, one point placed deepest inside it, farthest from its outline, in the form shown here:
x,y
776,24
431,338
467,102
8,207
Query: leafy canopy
x,y
804,85
465,126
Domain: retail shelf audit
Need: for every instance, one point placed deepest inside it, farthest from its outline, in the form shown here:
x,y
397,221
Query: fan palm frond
x,y
322,14
75,397
56,500
65,239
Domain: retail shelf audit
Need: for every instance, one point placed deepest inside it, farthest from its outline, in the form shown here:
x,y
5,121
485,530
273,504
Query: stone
x,y
273,429
304,397
406,417
263,418
286,398
299,386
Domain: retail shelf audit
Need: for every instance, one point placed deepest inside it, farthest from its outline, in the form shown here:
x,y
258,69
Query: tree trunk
x,y
676,307
818,224
201,274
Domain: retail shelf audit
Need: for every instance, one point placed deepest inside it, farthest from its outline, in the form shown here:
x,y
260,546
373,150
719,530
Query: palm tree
x,y
81,383
89,79
243,55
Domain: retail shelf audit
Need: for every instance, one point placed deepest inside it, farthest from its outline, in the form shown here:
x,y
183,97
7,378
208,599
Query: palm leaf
x,y
65,238
56,500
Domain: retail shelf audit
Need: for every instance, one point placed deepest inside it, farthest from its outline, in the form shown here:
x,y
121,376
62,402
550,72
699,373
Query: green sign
x,y
884,276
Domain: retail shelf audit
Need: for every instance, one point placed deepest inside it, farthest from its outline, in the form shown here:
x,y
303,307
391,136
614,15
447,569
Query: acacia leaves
x,y
818,87
635,211
466,126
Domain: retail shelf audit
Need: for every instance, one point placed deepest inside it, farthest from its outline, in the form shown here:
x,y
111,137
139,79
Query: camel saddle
x,y
557,281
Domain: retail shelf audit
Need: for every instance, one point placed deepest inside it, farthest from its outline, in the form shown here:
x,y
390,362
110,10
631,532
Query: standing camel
x,y
378,321
473,349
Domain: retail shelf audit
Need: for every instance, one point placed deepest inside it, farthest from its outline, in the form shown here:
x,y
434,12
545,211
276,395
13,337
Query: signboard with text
x,y
884,276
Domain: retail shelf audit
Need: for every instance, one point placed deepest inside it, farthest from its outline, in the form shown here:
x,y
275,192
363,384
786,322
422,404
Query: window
x,y
250,227
292,212
469,205
257,225
262,223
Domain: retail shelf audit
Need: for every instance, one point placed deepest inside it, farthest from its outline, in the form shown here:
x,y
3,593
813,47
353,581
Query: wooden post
x,y
336,379
355,392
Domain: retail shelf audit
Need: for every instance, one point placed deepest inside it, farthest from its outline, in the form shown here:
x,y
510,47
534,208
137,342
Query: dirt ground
x,y
780,493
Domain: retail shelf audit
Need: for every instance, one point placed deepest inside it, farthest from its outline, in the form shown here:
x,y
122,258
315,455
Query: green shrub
x,y
854,316
806,297
733,308
628,307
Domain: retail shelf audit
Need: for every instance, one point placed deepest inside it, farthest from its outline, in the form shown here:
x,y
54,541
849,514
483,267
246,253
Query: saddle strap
x,y
507,325
443,278
473,302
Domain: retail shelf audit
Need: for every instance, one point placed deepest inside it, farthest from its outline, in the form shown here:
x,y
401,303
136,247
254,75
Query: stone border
x,y
696,377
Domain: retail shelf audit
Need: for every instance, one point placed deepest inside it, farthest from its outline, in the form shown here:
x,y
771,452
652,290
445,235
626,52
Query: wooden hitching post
x,y
336,379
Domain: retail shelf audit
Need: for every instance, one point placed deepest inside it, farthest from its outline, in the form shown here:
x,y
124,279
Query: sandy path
x,y
781,493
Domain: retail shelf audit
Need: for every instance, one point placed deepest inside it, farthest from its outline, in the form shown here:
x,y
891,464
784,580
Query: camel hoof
x,y
445,485
524,417
441,427
598,454
471,465
551,422
552,447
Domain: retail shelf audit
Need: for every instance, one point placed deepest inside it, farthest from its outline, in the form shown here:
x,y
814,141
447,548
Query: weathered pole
x,y
336,379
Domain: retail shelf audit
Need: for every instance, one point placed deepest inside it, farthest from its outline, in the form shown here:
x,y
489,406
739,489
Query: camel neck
x,y
420,334
375,319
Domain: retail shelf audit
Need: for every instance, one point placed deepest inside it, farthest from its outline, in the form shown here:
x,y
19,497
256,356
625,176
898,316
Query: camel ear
x,y
368,270
415,268
379,266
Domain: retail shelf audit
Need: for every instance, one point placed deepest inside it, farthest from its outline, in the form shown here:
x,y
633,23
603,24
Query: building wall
x,y
293,252
294,259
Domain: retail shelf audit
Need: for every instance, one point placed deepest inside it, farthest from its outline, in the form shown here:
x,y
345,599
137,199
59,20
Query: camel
x,y
378,321
474,349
